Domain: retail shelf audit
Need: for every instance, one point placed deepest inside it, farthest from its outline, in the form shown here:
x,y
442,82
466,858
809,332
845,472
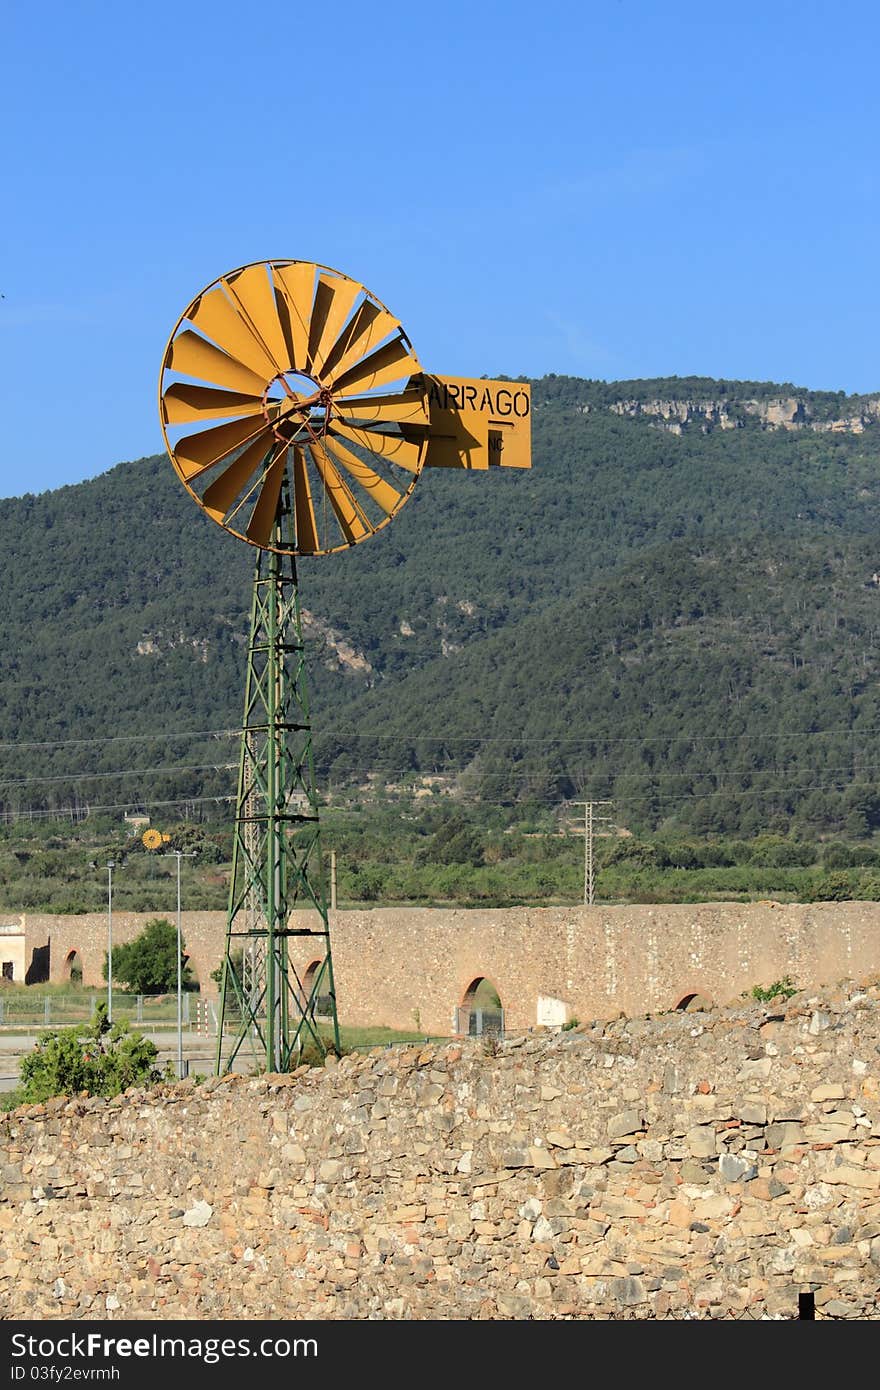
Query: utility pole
x,y
110,867
178,855
589,820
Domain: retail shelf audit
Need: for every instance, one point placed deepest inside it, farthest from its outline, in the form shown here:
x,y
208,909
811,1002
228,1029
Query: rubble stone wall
x,y
706,1164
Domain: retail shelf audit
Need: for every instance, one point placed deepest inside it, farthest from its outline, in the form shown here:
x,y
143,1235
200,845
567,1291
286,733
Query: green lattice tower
x,y
266,1009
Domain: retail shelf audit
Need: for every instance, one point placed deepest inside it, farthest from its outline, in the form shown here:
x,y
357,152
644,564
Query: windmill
x,y
297,415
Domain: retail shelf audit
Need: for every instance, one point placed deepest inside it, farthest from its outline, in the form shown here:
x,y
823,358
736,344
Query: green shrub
x,y
148,964
783,988
834,887
869,888
99,1058
236,961
629,851
777,852
837,855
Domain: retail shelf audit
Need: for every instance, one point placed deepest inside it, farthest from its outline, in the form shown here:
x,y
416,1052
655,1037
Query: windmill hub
x,y
297,407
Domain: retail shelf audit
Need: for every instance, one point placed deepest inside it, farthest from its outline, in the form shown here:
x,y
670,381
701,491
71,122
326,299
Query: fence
x,y
324,1007
34,1008
480,1023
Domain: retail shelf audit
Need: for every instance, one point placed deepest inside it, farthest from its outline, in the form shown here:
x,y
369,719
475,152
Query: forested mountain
x,y
677,608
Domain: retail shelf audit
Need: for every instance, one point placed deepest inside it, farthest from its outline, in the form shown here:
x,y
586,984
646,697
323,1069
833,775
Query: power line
x,y
534,779
169,737
589,740
561,804
77,812
585,741
691,774
124,772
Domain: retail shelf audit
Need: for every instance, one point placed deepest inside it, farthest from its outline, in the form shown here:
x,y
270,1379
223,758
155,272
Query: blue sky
x,y
608,190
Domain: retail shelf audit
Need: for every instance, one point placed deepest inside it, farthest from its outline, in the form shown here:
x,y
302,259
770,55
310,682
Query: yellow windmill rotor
x,y
151,839
288,370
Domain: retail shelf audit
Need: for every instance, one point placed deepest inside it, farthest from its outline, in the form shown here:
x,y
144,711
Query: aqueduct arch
x,y
323,1007
73,967
482,992
481,1009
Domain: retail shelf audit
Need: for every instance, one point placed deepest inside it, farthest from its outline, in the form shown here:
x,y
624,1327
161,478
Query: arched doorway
x,y
481,1011
323,1002
693,1002
73,970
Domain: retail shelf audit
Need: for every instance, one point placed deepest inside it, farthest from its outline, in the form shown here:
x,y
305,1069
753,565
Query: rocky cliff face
x,y
789,413
702,1164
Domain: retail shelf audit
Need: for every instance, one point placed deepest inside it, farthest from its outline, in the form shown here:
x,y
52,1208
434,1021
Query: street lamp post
x,y
110,867
178,855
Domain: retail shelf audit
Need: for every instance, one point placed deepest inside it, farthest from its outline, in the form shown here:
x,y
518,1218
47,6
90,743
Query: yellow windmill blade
x,y
349,515
183,404
367,328
218,315
253,291
236,485
332,310
263,517
287,379
199,452
294,295
303,507
389,363
387,497
366,412
191,355
407,453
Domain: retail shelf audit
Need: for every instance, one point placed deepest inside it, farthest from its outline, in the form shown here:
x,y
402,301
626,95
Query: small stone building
x,y
12,952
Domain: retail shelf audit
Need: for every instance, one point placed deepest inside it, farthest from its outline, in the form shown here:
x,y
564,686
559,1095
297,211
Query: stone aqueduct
x,y
414,967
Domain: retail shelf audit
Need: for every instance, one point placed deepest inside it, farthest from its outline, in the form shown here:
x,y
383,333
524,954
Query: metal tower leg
x,y
277,866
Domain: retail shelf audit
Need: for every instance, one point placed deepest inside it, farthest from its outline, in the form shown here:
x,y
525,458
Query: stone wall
x,y
397,964
701,1164
87,935
407,967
